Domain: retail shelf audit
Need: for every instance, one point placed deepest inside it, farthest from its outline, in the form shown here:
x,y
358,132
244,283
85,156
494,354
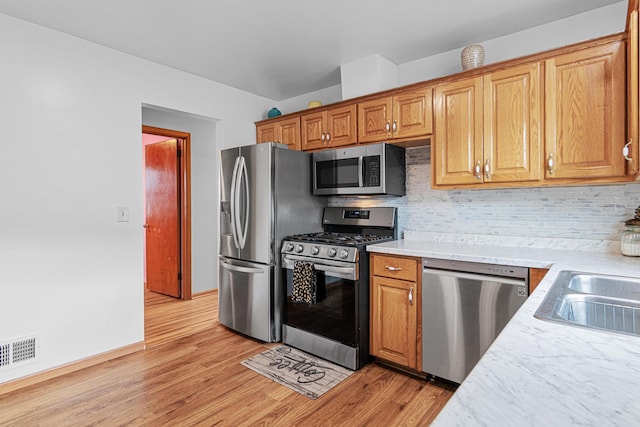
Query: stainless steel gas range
x,y
332,268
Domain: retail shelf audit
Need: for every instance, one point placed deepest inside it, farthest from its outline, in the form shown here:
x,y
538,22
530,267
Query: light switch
x,y
123,214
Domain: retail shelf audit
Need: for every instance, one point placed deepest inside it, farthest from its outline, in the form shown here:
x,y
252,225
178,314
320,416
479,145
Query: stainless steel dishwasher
x,y
465,305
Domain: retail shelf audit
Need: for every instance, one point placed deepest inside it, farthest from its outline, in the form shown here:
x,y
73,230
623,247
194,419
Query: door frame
x,y
185,203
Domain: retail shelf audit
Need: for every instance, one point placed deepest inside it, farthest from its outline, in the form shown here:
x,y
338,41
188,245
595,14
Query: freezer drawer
x,y
245,293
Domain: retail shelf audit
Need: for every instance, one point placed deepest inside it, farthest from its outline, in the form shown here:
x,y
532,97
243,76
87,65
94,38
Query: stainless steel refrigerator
x,y
265,195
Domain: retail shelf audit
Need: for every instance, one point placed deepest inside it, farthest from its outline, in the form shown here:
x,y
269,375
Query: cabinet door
x,y
633,108
374,120
266,133
585,113
413,114
341,126
312,130
512,120
290,133
394,321
457,146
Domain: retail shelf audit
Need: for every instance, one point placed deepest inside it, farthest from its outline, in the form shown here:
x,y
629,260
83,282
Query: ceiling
x,y
283,48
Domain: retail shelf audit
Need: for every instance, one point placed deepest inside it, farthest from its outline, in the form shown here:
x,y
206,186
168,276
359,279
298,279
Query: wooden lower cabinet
x,y
535,277
395,310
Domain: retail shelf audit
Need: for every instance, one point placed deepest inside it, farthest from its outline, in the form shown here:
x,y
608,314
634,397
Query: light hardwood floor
x,y
190,374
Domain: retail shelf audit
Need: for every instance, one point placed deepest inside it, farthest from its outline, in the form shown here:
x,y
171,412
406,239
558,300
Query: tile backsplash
x,y
585,217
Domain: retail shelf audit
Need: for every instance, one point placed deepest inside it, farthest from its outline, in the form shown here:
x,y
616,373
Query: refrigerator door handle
x,y
243,176
234,203
232,267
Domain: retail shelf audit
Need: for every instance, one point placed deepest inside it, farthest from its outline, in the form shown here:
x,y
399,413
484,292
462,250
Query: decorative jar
x,y
630,240
472,56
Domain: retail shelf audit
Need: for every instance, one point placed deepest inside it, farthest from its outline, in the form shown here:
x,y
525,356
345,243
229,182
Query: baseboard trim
x,y
199,294
39,377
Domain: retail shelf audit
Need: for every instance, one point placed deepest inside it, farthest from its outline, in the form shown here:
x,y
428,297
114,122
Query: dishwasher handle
x,y
473,276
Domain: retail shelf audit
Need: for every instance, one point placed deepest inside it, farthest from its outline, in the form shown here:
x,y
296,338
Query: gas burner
x,y
339,238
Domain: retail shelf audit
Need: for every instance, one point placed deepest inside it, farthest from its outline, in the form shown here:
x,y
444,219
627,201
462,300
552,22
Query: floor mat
x,y
302,372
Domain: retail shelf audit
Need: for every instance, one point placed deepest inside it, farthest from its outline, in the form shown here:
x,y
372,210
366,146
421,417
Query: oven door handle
x,y
350,273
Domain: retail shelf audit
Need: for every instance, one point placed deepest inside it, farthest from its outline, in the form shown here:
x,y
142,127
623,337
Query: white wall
x,y
585,26
71,152
204,190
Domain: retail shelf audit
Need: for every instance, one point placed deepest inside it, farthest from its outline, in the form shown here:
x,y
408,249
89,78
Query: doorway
x,y
167,252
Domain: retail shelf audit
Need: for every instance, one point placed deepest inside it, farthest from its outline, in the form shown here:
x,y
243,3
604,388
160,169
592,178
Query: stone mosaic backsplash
x,y
581,218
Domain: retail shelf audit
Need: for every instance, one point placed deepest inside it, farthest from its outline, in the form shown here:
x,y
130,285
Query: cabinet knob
x,y
477,170
550,163
487,169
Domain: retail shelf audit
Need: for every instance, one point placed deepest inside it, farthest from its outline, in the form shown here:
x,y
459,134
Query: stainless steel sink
x,y
608,303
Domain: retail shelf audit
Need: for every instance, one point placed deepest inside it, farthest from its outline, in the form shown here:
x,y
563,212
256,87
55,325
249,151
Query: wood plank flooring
x,y
167,318
194,377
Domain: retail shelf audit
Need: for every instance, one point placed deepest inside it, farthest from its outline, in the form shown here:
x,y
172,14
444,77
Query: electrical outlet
x,y
123,214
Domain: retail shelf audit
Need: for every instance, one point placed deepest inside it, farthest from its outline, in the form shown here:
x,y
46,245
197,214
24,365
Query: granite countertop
x,y
538,372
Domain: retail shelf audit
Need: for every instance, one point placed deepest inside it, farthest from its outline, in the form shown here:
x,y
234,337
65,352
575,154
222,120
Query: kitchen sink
x,y
602,302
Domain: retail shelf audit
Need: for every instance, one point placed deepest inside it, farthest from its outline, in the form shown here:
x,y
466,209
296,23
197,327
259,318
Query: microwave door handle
x,y
360,172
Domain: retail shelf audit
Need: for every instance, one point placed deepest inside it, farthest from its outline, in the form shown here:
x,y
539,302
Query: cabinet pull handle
x,y
391,268
626,151
487,169
323,137
387,127
477,170
395,126
411,295
550,163
328,137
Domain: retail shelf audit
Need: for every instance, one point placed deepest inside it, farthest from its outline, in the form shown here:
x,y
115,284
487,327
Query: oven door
x,y
333,316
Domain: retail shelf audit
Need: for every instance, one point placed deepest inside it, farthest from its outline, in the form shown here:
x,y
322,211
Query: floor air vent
x,y
19,351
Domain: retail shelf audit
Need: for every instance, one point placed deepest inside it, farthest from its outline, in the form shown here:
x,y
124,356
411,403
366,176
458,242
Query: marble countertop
x,y
538,372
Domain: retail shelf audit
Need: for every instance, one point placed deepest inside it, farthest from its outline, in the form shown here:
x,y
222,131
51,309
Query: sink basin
x,y
612,286
602,302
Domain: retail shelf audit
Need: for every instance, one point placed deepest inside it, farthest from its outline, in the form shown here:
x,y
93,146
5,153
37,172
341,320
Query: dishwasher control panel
x,y
477,267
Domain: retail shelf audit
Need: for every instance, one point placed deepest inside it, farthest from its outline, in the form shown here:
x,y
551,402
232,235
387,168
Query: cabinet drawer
x,y
395,267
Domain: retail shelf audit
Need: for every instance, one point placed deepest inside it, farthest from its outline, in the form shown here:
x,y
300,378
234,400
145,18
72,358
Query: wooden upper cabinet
x,y
457,147
513,124
283,131
402,116
633,93
333,127
586,113
488,128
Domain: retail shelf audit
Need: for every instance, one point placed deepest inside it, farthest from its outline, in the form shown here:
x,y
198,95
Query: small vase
x,y
472,56
274,112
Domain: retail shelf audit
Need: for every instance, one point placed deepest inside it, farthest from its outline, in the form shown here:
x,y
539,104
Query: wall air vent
x,y
19,351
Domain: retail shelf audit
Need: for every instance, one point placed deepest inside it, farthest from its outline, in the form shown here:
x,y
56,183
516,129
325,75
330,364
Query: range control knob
x,y
299,248
344,253
315,250
289,247
332,252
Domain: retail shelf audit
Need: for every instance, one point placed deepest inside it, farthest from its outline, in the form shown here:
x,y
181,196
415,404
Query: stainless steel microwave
x,y
371,169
